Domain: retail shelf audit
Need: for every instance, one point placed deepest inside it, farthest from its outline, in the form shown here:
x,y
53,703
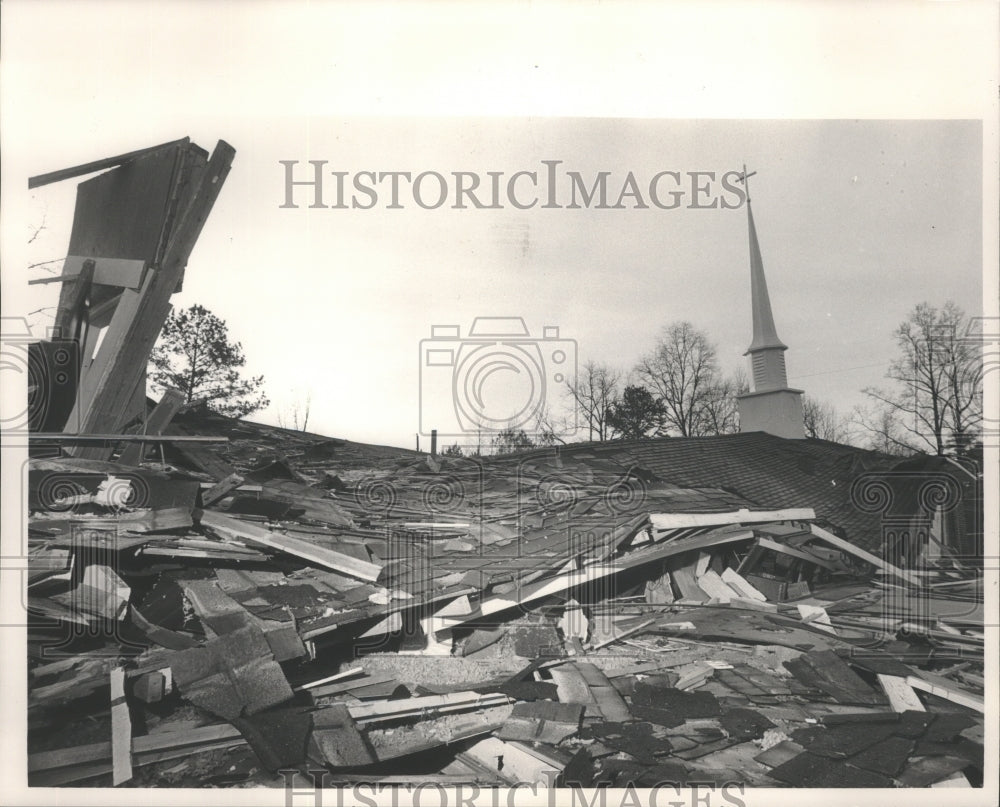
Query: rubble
x,y
252,599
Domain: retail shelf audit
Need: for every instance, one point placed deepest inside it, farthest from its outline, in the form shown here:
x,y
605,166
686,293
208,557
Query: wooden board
x,y
220,489
947,690
97,165
774,546
868,557
170,402
121,730
327,558
901,695
105,271
673,521
686,584
742,586
713,585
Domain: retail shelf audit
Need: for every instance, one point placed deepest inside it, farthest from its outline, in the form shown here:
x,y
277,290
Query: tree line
x,y
932,400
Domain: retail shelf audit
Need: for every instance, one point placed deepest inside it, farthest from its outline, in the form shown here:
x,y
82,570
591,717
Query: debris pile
x,y
539,617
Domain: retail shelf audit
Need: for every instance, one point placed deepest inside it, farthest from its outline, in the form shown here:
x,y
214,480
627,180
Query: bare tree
x,y
591,393
823,422
881,427
683,372
548,429
291,417
721,413
936,398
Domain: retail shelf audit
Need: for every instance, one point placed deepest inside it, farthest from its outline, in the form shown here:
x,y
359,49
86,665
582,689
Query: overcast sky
x,y
858,219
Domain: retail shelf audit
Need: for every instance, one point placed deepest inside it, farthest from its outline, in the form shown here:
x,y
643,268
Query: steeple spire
x,y
764,333
772,406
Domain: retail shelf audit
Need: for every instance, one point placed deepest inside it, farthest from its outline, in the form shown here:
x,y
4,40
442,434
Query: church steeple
x,y
766,351
771,406
764,333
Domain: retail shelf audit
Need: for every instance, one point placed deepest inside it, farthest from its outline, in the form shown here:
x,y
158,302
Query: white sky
x,y
859,220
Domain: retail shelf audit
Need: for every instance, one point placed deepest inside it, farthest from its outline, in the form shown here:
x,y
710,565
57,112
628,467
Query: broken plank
x,y
170,402
121,730
200,457
741,585
674,521
868,557
816,616
338,687
948,692
687,585
774,546
221,489
97,165
901,695
78,439
714,586
327,558
120,272
424,707
331,678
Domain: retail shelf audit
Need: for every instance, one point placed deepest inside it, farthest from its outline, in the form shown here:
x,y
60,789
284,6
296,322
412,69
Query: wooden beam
x,y
868,557
330,678
221,489
97,165
774,546
327,558
168,406
72,312
945,689
142,745
121,272
675,521
72,439
424,707
108,385
203,459
121,730
742,586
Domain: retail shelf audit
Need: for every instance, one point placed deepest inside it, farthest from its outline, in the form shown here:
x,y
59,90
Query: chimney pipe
x,y
434,442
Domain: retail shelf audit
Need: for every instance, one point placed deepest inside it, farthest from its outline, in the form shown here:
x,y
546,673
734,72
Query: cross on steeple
x,y
745,179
